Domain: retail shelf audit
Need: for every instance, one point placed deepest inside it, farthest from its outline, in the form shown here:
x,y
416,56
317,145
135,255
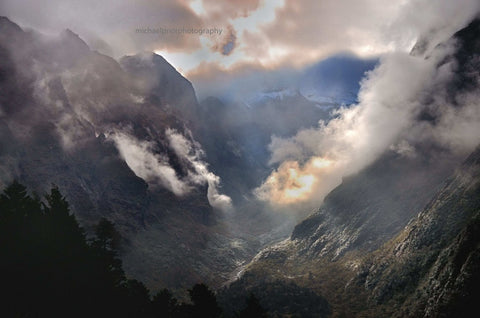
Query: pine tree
x,y
164,304
253,309
204,302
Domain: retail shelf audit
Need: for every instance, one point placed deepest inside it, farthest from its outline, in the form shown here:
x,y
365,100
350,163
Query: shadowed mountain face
x,y
159,82
240,137
369,251
369,207
116,139
431,267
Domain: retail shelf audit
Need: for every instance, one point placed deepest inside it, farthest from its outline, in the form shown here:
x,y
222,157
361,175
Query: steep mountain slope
x,y
115,139
431,268
367,250
325,251
368,208
161,83
128,141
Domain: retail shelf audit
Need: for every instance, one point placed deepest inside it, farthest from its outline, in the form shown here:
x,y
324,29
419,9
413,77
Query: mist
x,y
393,101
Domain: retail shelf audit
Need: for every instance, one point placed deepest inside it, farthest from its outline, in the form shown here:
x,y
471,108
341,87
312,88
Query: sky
x,y
266,34
212,42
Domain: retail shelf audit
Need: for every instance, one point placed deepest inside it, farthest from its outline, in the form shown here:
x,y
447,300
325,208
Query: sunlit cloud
x,y
386,118
293,183
197,6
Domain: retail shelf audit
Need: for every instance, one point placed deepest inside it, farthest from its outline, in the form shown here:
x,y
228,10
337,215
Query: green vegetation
x,y
48,267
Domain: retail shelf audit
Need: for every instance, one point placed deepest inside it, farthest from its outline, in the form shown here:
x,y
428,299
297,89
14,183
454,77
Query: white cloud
x,y
269,32
200,174
145,163
391,98
148,164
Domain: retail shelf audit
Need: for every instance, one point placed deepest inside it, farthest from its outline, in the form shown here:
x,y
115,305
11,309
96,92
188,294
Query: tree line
x,y
49,268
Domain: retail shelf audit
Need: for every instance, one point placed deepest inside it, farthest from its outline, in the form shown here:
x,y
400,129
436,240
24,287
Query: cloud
x,y
112,21
146,162
388,96
141,157
300,33
310,30
228,45
404,148
284,35
435,21
268,33
292,183
392,100
200,173
229,9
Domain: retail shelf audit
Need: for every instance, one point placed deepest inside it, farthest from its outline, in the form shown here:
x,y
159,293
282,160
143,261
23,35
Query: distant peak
x,y
6,23
73,38
151,59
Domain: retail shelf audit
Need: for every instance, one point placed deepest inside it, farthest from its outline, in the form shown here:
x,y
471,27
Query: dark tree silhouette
x,y
49,269
253,309
204,302
164,304
137,299
104,247
107,237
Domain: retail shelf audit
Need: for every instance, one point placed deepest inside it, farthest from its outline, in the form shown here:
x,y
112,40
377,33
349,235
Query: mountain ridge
x,y
396,239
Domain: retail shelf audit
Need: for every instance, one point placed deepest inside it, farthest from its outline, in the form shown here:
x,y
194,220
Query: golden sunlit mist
x,y
292,183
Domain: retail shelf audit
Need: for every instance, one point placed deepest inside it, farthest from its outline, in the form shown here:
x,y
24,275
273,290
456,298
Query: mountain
x,y
239,141
356,219
427,269
127,140
116,138
329,82
161,83
397,239
237,149
431,268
